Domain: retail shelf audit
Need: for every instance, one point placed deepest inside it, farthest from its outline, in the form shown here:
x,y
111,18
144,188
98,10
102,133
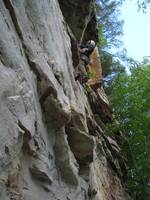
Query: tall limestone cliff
x,y
52,145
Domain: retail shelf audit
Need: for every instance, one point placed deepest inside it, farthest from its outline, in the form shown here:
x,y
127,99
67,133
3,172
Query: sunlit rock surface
x,y
52,145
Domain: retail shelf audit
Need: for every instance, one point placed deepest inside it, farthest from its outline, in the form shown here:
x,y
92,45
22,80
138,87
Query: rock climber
x,y
82,68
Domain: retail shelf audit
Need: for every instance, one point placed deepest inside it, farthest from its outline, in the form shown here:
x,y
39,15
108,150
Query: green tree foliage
x,y
111,65
109,24
130,98
110,30
143,4
102,41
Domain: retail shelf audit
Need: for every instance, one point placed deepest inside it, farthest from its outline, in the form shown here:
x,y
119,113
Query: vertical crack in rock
x,y
81,18
74,47
65,159
81,144
9,6
26,137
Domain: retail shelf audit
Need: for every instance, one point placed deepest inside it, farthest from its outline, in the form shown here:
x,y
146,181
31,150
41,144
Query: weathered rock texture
x,y
52,145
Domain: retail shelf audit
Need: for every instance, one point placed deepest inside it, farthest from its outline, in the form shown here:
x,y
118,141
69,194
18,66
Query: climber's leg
x,y
81,74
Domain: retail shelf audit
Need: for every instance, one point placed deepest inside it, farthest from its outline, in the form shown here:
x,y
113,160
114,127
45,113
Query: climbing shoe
x,y
77,77
84,79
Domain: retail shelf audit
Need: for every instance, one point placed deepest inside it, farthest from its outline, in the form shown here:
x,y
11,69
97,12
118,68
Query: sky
x,y
136,30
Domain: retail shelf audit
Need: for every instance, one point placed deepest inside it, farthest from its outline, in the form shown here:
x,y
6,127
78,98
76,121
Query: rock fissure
x,y
9,6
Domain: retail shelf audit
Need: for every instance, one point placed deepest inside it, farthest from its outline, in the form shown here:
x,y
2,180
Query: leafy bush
x,y
91,74
130,98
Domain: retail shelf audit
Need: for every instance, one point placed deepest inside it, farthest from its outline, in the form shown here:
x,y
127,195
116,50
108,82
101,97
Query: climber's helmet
x,y
91,42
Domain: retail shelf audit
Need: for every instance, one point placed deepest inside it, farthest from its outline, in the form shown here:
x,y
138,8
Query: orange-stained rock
x,y
97,97
95,69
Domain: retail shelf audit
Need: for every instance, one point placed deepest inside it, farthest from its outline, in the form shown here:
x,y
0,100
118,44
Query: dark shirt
x,y
89,50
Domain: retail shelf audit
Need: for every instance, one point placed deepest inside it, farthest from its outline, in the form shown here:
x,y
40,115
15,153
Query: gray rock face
x,y
47,151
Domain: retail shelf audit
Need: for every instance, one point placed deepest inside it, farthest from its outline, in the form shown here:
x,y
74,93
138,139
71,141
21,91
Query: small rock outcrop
x,y
52,145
